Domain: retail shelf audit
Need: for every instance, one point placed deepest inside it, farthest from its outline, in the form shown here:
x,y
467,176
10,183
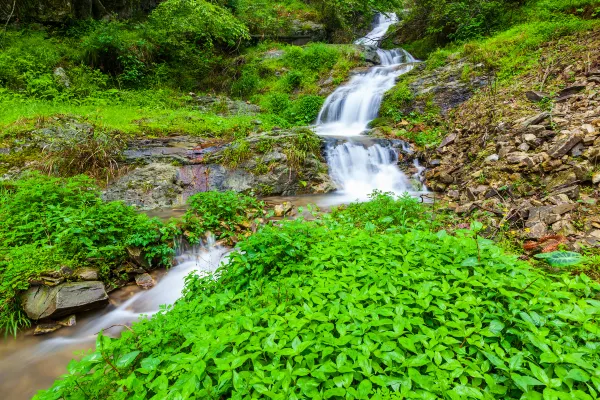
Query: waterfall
x,y
356,167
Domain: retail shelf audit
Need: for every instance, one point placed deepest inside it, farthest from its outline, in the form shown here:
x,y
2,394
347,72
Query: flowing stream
x,y
358,165
31,363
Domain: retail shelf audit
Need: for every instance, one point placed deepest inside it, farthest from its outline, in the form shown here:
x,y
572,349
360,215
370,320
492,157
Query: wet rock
x,y
535,96
564,146
145,281
283,209
86,274
68,321
370,55
45,328
45,302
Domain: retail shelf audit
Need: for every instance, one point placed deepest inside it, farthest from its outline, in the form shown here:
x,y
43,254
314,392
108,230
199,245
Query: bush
x,y
327,310
91,152
304,110
227,215
46,223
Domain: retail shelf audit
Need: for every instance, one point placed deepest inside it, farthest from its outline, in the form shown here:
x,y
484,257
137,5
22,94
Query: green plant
x,y
328,309
561,258
85,151
227,215
47,223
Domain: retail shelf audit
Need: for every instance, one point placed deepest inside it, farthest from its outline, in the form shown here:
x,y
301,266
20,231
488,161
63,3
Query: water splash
x,y
358,169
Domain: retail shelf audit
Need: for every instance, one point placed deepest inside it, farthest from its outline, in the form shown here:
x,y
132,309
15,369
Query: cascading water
x,y
356,167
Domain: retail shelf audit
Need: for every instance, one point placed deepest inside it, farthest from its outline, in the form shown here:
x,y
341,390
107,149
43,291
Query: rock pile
x,y
539,173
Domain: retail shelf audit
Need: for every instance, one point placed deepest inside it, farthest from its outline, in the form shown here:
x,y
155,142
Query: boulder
x,y
44,302
145,281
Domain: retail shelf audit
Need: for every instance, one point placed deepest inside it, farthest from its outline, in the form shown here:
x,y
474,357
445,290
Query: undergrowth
x,y
360,304
49,223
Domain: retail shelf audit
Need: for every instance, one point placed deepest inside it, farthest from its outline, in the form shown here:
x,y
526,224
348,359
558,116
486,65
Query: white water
x,y
359,168
382,23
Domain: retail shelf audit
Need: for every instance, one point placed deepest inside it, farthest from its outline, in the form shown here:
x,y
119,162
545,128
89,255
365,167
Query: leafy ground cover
x,y
50,223
351,306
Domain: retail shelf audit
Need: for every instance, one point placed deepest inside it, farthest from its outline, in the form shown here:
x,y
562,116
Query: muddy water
x,y
30,363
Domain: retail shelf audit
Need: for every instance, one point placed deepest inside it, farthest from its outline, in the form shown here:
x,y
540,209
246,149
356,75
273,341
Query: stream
x,y
357,164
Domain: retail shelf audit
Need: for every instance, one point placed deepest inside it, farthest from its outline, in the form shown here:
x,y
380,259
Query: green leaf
x,y
523,382
364,389
496,327
561,258
578,375
127,359
150,363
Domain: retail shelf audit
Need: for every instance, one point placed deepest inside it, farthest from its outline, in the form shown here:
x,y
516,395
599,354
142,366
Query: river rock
x,y
145,281
86,274
44,302
283,209
45,328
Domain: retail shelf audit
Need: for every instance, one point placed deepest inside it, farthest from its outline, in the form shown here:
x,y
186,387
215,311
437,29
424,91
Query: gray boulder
x,y
68,298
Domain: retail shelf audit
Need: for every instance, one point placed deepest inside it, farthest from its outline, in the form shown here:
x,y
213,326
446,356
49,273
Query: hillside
x,y
454,249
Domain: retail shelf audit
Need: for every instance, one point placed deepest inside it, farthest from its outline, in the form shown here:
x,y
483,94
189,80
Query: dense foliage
x,y
227,215
348,308
49,223
432,24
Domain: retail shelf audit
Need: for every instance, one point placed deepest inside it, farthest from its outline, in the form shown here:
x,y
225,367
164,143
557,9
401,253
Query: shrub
x,y
304,110
47,223
227,215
